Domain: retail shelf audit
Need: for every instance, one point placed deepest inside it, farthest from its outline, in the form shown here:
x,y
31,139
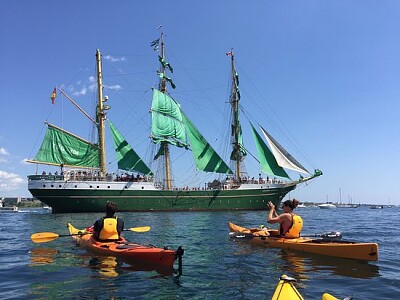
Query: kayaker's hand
x,y
270,205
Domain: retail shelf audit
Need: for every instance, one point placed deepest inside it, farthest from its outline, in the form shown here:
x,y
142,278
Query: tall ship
x,y
83,183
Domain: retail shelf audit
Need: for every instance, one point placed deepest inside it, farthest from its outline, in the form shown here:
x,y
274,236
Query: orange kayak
x,y
336,248
128,252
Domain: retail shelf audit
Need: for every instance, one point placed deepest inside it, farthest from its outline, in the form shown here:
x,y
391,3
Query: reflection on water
x,y
42,256
105,265
302,264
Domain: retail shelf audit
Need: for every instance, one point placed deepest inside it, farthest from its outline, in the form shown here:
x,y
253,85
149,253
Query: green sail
x,y
204,155
267,160
127,158
167,121
60,147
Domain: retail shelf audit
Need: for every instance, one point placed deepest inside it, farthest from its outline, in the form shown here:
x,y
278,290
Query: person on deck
x,y
290,223
108,228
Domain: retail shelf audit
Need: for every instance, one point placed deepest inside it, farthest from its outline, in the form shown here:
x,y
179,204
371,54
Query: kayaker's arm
x,y
273,217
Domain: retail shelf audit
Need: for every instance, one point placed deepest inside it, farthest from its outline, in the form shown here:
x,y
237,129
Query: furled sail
x,y
284,159
240,153
127,158
267,160
167,121
205,157
60,147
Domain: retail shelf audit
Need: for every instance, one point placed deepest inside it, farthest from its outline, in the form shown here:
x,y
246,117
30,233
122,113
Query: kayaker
x,y
290,223
108,228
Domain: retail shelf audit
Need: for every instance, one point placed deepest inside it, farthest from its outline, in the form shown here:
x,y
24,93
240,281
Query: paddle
x,y
329,236
44,237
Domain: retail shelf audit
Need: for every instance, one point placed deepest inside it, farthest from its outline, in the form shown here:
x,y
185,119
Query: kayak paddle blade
x,y
44,237
139,229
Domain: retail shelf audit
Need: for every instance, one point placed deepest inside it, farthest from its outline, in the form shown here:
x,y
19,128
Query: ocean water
x,y
214,266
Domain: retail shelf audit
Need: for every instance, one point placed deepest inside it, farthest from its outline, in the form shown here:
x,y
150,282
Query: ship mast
x,y
100,114
163,89
235,122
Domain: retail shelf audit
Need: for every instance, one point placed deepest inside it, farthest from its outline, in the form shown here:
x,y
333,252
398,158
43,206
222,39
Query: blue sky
x,y
325,74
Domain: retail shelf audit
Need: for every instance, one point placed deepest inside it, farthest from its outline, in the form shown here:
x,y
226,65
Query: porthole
x,y
98,187
60,186
44,185
108,187
76,186
52,185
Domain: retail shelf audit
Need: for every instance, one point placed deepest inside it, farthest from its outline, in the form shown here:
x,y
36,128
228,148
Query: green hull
x,y
65,197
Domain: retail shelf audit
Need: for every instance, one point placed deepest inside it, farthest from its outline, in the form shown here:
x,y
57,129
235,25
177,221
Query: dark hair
x,y
111,208
291,203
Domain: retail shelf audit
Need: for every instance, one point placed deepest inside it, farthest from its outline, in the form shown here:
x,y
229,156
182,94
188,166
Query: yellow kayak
x,y
286,290
329,247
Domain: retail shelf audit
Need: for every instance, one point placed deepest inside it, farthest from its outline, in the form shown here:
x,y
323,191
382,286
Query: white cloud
x,y
81,92
115,87
81,89
9,181
3,151
114,59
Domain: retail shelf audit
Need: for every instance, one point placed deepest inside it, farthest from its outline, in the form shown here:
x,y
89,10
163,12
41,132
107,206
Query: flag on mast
x,y
53,96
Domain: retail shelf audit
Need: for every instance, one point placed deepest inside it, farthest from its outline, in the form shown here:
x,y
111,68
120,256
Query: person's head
x,y
111,208
289,205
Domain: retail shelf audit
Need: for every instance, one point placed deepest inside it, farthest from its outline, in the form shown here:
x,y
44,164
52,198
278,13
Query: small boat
x,y
347,206
130,253
326,245
376,207
327,206
287,290
9,209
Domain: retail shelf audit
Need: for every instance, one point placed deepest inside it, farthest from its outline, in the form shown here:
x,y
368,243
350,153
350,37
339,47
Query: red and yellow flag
x,y
53,96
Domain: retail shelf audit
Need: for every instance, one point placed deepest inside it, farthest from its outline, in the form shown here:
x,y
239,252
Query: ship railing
x,y
46,177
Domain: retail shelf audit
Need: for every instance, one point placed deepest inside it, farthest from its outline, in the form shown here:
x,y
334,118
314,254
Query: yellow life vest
x,y
297,226
109,230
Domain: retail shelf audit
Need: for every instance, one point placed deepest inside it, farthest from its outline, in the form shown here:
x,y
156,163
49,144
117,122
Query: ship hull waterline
x,y
91,196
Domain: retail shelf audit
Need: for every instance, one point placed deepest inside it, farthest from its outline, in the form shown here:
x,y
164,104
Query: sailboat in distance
x,y
85,185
